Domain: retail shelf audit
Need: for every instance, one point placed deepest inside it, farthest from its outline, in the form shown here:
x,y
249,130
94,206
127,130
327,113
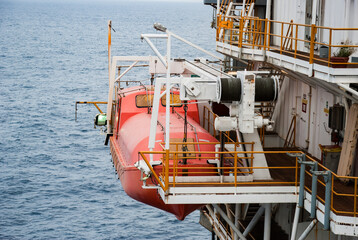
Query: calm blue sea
x,y
56,175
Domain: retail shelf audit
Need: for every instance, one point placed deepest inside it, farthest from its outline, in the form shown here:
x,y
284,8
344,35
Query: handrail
x,y
257,35
171,169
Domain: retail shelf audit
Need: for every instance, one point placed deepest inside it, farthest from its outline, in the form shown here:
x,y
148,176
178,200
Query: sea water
x,y
56,175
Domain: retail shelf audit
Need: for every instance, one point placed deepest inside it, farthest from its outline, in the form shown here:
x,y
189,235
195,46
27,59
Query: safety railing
x,y
343,189
288,38
343,199
232,166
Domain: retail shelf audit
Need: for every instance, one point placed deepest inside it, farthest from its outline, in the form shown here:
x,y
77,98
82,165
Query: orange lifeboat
x,y
131,135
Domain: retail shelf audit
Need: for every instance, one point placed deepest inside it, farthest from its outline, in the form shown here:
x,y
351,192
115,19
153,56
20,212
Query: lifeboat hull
x,y
131,136
130,179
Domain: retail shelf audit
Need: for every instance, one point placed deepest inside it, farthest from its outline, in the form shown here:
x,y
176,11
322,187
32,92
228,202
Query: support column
x,y
268,9
237,214
295,221
267,229
254,220
231,224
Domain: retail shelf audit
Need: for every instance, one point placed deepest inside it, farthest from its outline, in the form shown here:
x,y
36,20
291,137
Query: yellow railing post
x,y
175,164
268,34
355,197
296,173
281,45
235,167
166,170
241,29
265,35
330,48
252,157
312,42
296,37
332,191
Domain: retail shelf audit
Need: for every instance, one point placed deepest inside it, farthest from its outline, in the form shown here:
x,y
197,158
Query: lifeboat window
x,y
142,101
174,100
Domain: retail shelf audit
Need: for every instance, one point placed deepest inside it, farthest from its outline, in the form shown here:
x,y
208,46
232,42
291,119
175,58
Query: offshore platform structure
x,y
310,47
270,138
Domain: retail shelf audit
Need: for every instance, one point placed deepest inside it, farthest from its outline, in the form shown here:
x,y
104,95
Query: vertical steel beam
x,y
302,181
295,222
268,9
237,213
327,200
314,191
167,85
267,228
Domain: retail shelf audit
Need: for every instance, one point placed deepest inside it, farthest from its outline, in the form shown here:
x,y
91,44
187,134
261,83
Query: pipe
x,y
295,222
268,9
314,191
254,220
302,181
127,70
267,228
314,12
155,50
237,213
221,212
347,88
167,85
308,230
327,200
309,118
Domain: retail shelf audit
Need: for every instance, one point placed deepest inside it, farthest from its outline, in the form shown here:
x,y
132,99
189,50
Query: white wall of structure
x,y
330,13
311,105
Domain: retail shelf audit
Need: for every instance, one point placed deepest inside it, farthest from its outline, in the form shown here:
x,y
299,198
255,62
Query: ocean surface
x,y
56,176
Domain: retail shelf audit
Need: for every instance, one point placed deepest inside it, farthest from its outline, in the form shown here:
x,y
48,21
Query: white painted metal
x,y
127,70
267,227
314,11
259,158
116,59
339,225
155,50
332,75
167,85
232,190
295,222
199,89
110,96
237,214
233,198
268,9
254,221
347,88
218,228
154,118
232,225
308,230
200,72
